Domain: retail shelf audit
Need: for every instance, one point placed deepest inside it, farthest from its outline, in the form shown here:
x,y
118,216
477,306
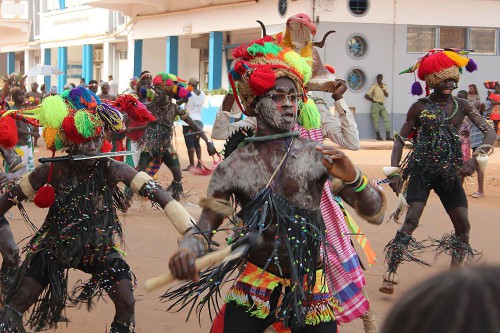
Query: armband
x,y
138,181
25,185
17,167
179,216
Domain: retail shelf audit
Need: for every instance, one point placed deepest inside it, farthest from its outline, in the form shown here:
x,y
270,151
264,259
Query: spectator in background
x,y
68,87
494,97
24,145
105,92
93,86
113,86
476,139
43,90
193,106
377,94
473,95
82,82
52,92
458,301
34,98
132,86
465,132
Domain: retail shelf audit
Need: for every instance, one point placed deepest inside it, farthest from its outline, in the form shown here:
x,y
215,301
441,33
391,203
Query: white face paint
x,y
88,148
277,109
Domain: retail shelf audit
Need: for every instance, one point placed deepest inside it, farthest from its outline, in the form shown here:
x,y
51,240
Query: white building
x,y
95,38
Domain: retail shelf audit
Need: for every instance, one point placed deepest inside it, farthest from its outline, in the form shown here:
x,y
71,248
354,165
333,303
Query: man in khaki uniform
x,y
377,94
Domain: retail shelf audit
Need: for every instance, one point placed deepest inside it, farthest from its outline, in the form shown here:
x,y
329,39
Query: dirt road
x,y
150,240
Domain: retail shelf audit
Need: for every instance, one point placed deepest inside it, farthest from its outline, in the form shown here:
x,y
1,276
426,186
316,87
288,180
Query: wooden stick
x,y
200,264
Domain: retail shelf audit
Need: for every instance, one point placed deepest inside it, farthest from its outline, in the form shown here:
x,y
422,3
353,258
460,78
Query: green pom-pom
x,y
267,48
58,143
53,111
309,117
85,123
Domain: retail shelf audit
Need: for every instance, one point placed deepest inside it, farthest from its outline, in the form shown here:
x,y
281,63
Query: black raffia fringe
x,y
46,312
397,253
453,246
302,233
235,140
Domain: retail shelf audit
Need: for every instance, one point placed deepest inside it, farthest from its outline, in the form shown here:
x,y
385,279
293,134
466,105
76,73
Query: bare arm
x,y
223,127
470,166
397,150
191,246
342,128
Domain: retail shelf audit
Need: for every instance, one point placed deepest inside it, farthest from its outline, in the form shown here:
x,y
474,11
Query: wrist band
x,y
363,185
356,180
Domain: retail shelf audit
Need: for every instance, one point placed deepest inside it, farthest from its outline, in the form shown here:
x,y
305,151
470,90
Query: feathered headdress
x,y
256,68
439,65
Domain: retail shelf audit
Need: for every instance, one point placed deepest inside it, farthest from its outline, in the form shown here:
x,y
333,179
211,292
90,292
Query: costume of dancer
x,y
435,161
81,230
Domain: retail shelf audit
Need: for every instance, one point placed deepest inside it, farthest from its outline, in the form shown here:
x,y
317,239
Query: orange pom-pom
x,y
262,80
106,147
8,132
45,196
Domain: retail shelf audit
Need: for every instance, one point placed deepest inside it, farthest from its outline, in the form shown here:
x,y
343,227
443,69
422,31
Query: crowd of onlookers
x,y
471,136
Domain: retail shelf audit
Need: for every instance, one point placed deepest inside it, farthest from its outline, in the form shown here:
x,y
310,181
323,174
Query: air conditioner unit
x,y
97,55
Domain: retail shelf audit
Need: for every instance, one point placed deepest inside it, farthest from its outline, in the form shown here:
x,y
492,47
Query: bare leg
x,y
480,181
11,259
122,296
198,155
459,218
26,295
11,316
399,244
191,158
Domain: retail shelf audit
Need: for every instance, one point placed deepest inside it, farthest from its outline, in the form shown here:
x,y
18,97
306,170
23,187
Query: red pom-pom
x,y
69,128
8,132
240,68
106,147
45,196
330,69
158,79
262,80
170,82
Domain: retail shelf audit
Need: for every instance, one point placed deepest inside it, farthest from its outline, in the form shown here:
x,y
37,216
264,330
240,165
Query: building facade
x,y
95,38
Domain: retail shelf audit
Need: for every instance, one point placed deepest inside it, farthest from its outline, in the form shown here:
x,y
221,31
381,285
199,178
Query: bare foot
x,y
387,287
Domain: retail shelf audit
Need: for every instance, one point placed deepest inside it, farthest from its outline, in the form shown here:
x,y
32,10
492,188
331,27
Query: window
x,y
421,39
357,46
483,40
356,79
358,7
452,37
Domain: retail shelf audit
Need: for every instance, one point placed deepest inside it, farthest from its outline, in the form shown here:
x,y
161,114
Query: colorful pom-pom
x,y
45,197
70,131
309,116
261,80
106,147
416,89
471,66
8,132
